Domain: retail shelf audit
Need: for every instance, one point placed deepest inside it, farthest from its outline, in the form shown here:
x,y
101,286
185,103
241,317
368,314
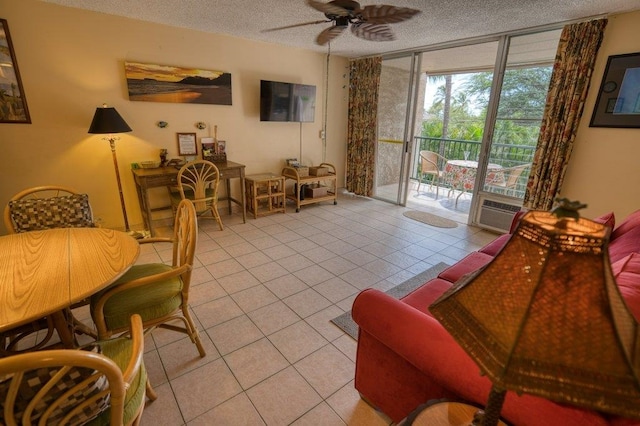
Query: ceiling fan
x,y
369,22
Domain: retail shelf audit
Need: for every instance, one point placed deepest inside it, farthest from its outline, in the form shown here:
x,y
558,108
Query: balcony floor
x,y
426,200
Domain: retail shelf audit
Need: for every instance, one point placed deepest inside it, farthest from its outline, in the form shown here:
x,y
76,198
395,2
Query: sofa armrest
x,y
424,343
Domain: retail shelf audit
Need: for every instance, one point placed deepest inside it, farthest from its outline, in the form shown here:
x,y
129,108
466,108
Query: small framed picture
x,y
208,147
222,148
187,144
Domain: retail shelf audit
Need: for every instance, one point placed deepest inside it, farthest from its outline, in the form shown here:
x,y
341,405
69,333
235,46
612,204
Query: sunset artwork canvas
x,y
164,83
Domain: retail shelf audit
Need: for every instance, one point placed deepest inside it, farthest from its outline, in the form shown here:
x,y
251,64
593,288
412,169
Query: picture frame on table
x,y
618,102
13,105
187,144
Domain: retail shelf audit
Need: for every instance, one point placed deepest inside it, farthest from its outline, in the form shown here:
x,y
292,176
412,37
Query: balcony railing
x,y
505,155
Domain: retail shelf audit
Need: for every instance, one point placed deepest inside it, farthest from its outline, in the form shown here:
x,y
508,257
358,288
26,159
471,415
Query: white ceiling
x,y
440,21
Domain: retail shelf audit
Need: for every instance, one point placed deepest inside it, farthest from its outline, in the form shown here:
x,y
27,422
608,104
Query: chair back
x,y
185,240
69,386
198,181
431,162
513,174
46,207
428,162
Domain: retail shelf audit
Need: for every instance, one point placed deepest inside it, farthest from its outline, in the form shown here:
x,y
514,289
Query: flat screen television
x,y
281,101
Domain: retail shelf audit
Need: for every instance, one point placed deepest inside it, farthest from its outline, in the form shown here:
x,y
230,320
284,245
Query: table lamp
x,y
106,120
546,318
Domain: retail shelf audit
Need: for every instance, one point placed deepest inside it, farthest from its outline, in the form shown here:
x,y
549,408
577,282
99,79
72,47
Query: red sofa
x,y
406,358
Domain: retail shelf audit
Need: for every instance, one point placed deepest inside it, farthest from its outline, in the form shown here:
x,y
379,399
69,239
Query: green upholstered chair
x,y
158,292
198,181
104,384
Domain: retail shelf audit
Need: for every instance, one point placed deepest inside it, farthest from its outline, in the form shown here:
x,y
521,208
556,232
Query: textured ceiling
x,y
440,20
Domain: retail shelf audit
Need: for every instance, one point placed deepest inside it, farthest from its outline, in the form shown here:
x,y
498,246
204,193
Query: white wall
x,y
72,61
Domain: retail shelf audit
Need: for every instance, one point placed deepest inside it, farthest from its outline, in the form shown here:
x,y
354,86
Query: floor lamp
x,y
107,121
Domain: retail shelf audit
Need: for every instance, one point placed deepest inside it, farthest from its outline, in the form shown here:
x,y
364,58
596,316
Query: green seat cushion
x,y
120,350
151,301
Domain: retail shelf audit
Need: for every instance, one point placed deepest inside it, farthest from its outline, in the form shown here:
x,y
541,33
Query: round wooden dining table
x,y
44,272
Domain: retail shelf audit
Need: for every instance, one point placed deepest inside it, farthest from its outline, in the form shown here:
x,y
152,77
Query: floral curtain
x,y
363,119
574,62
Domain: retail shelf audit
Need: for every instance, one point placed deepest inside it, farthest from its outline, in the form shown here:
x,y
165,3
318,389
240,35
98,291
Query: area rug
x,y
345,322
430,219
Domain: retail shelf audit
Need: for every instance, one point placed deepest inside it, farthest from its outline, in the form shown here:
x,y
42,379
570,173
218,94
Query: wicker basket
x,y
215,158
303,171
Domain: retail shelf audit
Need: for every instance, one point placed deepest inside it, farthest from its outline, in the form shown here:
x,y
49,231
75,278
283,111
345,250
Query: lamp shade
x,y
106,120
545,317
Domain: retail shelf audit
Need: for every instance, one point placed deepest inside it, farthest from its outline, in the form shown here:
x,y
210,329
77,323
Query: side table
x,y
265,194
444,414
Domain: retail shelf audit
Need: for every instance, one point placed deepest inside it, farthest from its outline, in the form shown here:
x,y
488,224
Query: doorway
x,y
477,104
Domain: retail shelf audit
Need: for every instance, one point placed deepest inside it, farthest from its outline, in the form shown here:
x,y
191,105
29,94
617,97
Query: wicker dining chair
x,y
157,291
35,209
432,165
104,383
198,181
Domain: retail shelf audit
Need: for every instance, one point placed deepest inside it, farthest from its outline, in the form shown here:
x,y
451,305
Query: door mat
x,y
430,219
346,323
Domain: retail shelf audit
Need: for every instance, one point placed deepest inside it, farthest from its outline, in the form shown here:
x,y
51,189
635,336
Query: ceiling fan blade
x,y
386,14
372,32
295,25
329,34
328,8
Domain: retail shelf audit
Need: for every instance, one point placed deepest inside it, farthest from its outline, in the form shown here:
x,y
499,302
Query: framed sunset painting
x,y
166,83
13,104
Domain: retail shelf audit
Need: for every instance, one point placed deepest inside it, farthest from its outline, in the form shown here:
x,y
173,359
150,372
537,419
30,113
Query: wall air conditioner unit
x,y
496,212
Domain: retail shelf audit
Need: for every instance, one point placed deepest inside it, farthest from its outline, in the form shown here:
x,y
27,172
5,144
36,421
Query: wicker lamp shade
x,y
545,317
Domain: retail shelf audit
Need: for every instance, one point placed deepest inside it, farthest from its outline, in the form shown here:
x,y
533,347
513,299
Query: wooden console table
x,y
167,176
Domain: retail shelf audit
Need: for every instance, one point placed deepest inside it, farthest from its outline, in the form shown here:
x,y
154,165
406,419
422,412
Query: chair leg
x,y
193,331
216,215
151,393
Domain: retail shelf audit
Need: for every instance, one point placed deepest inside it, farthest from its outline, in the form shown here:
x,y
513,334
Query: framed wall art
x,y
13,103
165,83
618,103
187,144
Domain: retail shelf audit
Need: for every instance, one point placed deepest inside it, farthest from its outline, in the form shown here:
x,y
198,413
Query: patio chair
x,y
34,209
508,179
101,384
198,181
157,291
431,164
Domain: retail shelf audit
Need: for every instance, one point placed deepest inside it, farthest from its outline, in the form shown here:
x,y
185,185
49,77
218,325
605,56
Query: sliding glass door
x,y
396,111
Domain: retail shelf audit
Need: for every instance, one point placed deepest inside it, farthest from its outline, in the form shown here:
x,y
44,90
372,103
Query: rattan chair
x,y
46,207
507,180
34,209
97,385
198,181
432,165
158,292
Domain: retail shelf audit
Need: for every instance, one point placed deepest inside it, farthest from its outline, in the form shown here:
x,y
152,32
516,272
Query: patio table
x,y
461,175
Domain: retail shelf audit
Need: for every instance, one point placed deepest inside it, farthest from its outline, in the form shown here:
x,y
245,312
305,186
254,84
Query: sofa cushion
x,y
425,295
496,245
627,274
630,222
608,219
625,244
471,263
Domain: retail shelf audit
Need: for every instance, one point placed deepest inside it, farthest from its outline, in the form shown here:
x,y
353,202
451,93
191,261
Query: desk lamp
x,y
106,120
545,317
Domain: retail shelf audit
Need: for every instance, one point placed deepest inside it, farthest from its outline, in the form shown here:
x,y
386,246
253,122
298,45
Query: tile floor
x,y
263,294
